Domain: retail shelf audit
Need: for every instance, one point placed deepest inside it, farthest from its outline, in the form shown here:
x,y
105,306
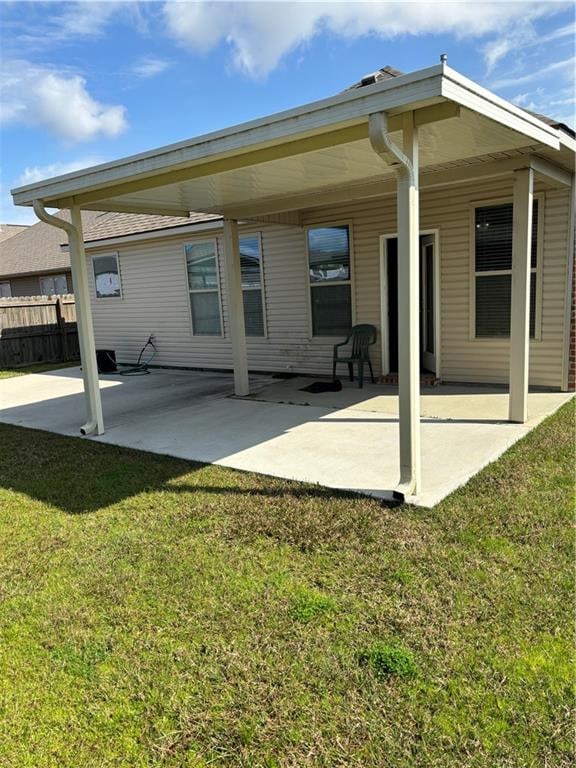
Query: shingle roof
x,y
37,249
123,224
9,230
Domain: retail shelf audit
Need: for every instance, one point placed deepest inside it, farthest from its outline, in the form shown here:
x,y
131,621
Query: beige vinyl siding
x,y
465,358
155,300
155,293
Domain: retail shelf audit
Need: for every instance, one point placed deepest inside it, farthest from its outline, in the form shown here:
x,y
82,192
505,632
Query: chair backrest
x,y
362,336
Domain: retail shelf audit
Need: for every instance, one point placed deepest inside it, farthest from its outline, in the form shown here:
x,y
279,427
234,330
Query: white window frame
x,y
52,277
116,255
189,291
538,270
9,295
261,289
351,281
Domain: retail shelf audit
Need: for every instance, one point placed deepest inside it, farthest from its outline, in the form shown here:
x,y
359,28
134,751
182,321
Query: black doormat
x,y
323,386
284,375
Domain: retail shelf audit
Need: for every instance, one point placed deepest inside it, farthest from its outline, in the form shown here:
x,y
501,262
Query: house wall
x,y
155,294
29,285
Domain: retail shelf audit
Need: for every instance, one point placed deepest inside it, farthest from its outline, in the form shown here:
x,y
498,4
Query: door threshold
x,y
427,379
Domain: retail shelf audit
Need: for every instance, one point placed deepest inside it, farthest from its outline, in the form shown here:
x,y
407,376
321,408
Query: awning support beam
x,y
236,307
406,166
94,420
520,303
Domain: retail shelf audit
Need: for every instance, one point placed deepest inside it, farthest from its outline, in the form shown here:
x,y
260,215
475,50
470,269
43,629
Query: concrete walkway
x,y
345,440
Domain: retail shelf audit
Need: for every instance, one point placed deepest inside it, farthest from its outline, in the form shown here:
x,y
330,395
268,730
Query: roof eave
x,y
438,83
350,108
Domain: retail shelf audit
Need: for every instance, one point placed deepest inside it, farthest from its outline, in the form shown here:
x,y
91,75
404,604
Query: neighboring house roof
x,y
9,230
37,249
109,225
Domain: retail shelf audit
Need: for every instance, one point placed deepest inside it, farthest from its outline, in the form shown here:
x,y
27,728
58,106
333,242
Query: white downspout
x,y
94,421
405,164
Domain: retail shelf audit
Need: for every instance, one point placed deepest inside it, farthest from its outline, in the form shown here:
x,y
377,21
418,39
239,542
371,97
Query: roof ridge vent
x,y
385,73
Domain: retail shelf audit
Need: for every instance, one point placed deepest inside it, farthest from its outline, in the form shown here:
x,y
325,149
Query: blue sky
x,y
88,82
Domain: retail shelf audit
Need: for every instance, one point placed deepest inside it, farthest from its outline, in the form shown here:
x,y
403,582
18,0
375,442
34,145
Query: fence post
x,y
63,332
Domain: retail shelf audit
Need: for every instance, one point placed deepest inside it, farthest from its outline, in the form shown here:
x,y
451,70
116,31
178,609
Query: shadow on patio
x,y
348,443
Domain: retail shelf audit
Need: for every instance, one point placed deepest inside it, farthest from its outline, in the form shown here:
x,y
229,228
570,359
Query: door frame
x,y
384,326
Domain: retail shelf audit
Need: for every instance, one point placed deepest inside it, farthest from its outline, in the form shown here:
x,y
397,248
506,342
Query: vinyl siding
x,y
155,293
30,284
25,286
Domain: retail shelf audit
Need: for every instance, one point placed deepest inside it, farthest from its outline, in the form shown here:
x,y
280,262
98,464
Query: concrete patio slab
x,y
348,442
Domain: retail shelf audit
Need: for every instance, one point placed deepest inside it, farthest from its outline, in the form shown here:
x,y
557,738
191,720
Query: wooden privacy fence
x,y
37,329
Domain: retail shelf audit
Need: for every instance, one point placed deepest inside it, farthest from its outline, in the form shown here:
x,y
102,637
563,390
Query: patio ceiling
x,y
309,150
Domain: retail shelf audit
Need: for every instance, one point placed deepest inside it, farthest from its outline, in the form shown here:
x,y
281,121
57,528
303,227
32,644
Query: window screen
x,y
330,285
493,270
204,288
53,285
107,276
251,270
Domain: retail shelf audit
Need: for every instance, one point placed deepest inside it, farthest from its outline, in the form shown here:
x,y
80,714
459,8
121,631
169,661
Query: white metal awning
x,y
271,163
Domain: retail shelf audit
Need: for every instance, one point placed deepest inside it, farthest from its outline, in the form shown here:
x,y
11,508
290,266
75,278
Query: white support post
x,y
520,304
408,313
235,307
94,420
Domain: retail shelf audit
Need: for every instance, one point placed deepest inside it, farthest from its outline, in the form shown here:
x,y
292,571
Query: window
x,y
251,270
107,276
204,288
493,270
5,290
53,285
330,280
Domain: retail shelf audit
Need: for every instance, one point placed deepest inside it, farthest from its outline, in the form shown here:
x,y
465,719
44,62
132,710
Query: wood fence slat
x,y
37,329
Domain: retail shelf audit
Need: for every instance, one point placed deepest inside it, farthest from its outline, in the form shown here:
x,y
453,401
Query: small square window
x,y
107,276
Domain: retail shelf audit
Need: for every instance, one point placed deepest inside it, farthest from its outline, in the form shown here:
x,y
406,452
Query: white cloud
x,y
260,34
564,66
86,18
35,173
521,37
149,66
59,101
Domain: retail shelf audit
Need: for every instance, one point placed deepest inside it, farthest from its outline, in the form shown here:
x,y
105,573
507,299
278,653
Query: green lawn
x,y
155,612
8,373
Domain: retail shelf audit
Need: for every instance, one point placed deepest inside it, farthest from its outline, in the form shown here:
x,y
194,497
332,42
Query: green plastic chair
x,y
361,337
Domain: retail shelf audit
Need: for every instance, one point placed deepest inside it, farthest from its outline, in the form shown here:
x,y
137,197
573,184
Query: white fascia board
x,y
348,108
469,94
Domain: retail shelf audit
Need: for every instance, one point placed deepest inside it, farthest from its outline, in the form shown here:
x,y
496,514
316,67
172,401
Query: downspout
x,y
94,424
383,145
409,368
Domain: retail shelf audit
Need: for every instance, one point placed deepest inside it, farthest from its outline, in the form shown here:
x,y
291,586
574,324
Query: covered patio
x,y
429,128
345,440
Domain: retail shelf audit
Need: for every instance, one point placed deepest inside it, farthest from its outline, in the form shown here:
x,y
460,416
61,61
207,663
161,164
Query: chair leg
x,y
371,371
334,371
360,374
351,371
